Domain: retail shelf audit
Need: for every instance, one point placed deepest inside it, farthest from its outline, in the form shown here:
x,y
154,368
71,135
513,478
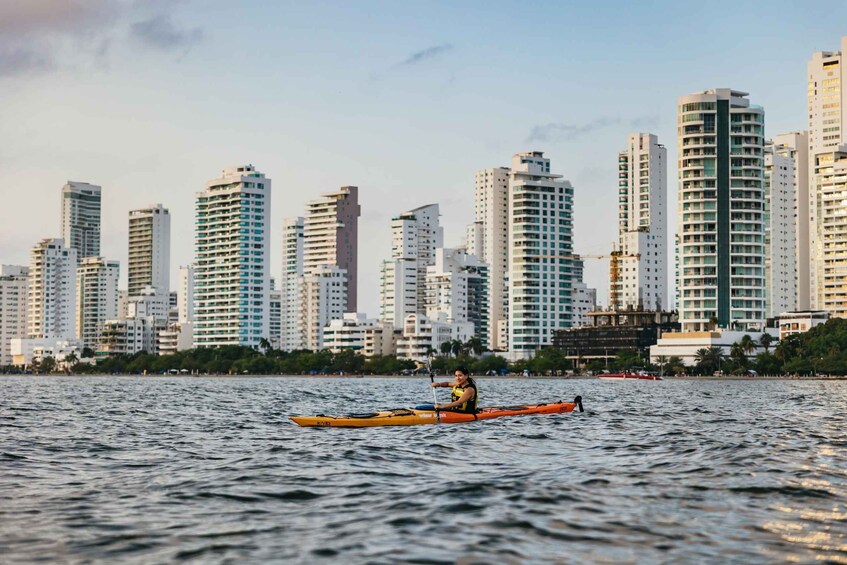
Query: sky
x,y
152,98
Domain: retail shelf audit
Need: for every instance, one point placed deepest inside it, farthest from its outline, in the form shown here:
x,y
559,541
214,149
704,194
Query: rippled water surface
x,y
145,470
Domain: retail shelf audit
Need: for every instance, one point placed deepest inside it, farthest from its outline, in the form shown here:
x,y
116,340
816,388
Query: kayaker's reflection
x,y
463,397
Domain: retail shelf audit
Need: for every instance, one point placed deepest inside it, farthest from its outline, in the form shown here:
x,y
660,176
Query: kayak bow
x,y
415,417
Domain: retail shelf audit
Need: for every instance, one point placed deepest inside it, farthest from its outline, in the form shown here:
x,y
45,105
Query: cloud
x,y
566,132
160,32
424,55
38,36
19,60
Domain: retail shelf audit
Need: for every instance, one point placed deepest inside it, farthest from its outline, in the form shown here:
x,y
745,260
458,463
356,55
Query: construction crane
x,y
614,267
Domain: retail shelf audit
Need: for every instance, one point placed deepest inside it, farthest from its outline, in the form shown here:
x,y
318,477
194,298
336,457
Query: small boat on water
x,y
425,414
638,375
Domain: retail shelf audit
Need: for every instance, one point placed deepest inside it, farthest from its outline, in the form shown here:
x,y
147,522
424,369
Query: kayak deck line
x,y
414,416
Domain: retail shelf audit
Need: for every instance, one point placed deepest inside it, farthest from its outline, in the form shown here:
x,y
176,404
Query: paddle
x,y
432,381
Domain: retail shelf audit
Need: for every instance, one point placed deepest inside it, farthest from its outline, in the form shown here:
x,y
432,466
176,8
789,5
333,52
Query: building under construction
x,y
613,331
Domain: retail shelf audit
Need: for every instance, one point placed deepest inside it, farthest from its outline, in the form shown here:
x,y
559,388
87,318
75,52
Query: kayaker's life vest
x,y
470,406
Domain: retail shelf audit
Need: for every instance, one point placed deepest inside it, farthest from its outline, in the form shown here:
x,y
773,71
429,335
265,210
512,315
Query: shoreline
x,y
423,377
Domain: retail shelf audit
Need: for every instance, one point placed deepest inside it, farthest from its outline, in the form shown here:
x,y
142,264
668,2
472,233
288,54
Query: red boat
x,y
640,375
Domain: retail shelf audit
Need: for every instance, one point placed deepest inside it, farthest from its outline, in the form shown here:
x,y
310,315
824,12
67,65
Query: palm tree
x,y
736,353
765,341
709,357
713,322
456,347
474,345
264,345
446,347
748,344
70,360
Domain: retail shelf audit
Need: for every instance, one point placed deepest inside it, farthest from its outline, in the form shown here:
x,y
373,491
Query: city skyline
x,y
405,120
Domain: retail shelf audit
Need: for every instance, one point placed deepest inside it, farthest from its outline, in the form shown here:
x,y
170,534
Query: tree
x,y
748,344
709,358
739,359
456,347
264,345
446,347
87,353
765,341
70,360
474,346
713,322
48,365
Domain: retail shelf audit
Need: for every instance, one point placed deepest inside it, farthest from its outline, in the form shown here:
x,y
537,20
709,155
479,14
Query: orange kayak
x,y
415,416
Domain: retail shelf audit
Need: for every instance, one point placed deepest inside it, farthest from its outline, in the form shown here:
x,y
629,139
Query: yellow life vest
x,y
470,406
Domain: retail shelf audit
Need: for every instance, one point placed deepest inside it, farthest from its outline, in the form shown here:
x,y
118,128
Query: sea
x,y
211,470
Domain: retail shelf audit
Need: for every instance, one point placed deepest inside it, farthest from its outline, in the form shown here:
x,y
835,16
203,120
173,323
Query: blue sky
x,y
151,98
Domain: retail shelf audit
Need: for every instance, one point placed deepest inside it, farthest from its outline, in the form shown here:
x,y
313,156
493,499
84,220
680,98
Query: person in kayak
x,y
463,397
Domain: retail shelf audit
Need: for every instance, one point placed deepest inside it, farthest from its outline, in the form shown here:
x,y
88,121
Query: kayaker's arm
x,y
466,396
443,385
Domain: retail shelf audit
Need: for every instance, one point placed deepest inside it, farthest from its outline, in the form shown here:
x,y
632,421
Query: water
x,y
151,470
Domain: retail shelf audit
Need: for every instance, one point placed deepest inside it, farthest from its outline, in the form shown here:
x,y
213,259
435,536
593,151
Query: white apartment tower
x,y
51,296
291,324
795,145
415,235
330,258
13,303
149,250
275,312
185,295
488,239
457,287
642,223
231,268
827,98
81,218
96,298
780,229
829,273
721,206
540,254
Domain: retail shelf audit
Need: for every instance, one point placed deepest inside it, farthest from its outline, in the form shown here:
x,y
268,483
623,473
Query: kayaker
x,y
463,397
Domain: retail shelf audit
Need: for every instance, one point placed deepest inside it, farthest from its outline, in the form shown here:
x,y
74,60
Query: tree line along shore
x,y
819,351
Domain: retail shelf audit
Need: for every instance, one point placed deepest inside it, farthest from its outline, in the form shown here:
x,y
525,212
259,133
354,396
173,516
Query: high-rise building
x,y
330,236
829,271
81,218
149,250
291,324
330,257
780,229
540,254
488,239
185,295
231,274
457,286
323,299
721,205
827,97
13,302
795,145
415,235
584,298
275,312
51,296
642,223
827,100
96,298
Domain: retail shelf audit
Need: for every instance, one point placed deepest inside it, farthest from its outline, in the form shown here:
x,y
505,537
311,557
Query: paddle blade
x,y
425,407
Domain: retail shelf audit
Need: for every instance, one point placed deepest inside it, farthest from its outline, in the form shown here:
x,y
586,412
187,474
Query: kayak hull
x,y
629,376
414,417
